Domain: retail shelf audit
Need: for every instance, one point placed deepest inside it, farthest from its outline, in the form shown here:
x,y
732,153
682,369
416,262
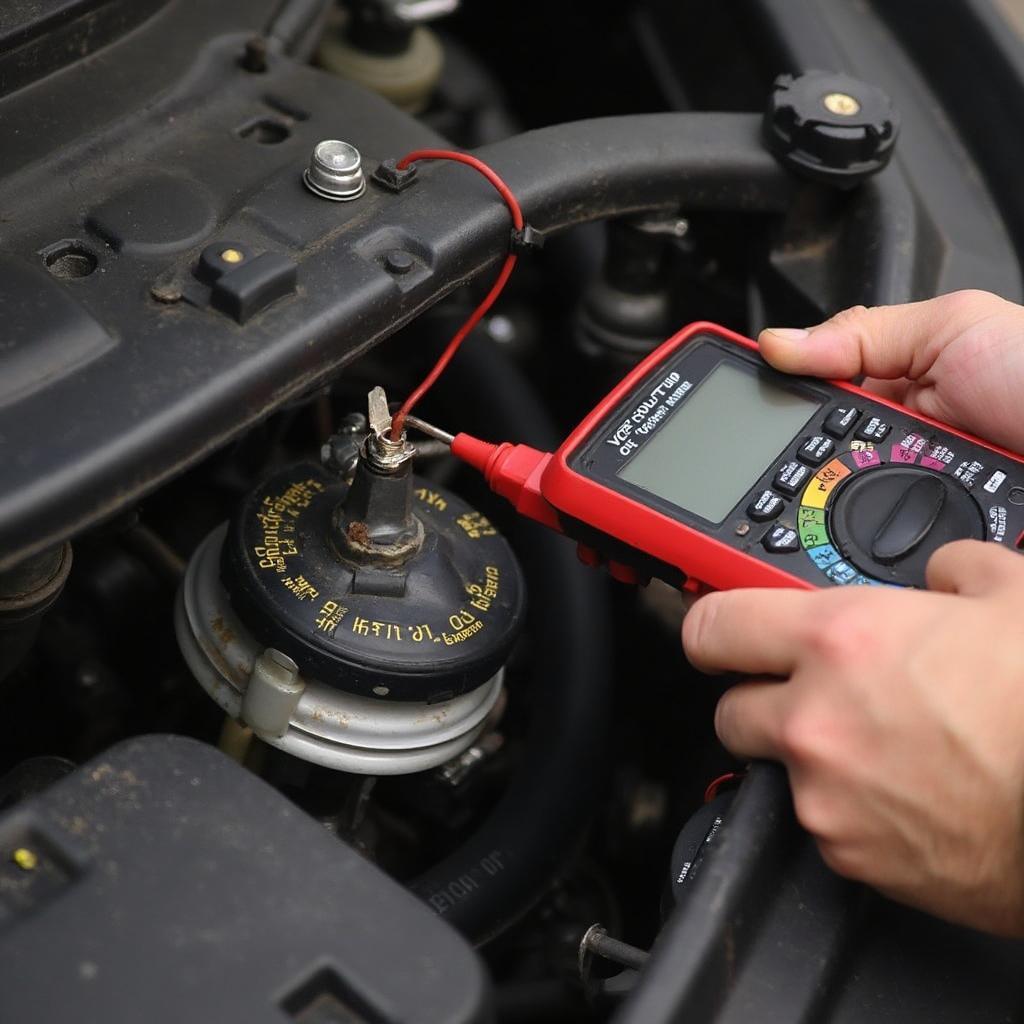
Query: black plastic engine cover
x,y
162,882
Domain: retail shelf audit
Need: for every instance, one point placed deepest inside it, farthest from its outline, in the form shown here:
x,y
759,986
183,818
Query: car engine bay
x,y
304,723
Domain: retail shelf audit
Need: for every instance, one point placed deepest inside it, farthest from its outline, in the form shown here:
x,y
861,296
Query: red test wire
x,y
398,420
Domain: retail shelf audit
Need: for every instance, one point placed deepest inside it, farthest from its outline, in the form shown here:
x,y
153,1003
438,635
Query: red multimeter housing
x,y
706,466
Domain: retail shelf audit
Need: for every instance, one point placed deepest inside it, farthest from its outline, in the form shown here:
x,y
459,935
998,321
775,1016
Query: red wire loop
x,y
716,784
398,420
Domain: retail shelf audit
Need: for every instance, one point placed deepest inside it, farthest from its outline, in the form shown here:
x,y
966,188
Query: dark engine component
x,y
361,626
830,128
762,930
147,885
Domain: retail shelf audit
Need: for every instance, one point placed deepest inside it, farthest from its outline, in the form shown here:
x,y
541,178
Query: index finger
x,y
751,631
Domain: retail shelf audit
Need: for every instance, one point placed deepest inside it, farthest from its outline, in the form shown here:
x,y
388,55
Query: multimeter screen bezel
x,y
680,375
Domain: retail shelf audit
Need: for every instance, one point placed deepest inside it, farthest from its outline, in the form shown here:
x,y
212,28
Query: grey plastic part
x,y
173,885
273,693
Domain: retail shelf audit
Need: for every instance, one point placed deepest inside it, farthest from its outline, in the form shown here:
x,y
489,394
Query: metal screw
x,y
255,57
501,329
353,423
841,103
598,942
168,293
335,171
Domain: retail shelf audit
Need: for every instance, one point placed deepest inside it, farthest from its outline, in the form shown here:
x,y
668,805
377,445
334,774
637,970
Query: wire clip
x,y
392,177
526,240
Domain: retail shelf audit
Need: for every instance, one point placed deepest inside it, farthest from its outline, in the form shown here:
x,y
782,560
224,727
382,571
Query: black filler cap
x,y
360,608
830,127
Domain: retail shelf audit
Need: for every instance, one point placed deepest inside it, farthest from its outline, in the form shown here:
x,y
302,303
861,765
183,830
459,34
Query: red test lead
x,y
709,469
518,224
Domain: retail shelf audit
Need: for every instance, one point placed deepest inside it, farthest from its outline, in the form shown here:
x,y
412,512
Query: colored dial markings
x,y
866,458
841,572
812,522
824,556
908,449
811,517
811,526
823,483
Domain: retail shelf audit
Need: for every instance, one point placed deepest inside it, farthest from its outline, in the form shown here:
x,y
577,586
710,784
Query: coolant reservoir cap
x,y
830,127
438,625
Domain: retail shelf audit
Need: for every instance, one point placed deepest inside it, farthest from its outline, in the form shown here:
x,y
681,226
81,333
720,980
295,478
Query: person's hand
x,y
958,358
899,715
900,719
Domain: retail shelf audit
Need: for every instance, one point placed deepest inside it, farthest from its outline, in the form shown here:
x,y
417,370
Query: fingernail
x,y
789,333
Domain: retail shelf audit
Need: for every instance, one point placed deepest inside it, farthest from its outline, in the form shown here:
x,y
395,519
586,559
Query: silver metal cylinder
x,y
335,171
325,725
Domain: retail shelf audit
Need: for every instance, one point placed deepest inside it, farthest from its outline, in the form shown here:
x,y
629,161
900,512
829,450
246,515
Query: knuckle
x,y
853,321
850,315
967,306
814,812
803,736
842,858
969,298
848,632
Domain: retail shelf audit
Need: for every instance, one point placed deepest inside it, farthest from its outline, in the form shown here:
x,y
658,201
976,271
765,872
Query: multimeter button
x,y
767,505
781,539
874,429
791,477
841,572
815,450
840,422
588,556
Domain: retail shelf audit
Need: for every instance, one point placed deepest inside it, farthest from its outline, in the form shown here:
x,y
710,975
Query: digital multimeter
x,y
708,468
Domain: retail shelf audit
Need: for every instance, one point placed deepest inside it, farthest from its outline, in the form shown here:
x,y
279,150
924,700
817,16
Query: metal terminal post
x,y
335,171
382,453
375,523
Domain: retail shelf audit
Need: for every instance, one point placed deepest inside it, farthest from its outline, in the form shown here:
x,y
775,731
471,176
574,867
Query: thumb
x,y
972,567
887,342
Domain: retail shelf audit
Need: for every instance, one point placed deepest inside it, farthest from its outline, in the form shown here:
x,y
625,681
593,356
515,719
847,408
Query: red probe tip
x,y
474,452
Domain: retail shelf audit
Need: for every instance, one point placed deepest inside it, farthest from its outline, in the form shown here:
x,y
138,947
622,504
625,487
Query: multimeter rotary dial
x,y
889,521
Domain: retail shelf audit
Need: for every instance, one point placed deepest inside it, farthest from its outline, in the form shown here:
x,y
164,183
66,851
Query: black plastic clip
x,y
527,240
393,178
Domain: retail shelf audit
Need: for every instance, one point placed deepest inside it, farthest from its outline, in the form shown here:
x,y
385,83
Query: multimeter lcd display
x,y
712,449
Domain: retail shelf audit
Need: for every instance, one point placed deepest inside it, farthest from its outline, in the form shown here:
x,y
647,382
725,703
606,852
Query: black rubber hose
x,y
452,222
575,173
541,821
606,167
